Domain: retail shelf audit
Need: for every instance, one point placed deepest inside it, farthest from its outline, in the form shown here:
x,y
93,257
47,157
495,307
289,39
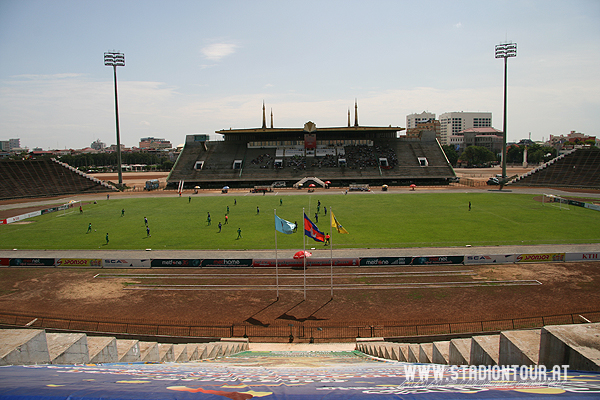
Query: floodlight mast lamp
x,y
115,60
505,51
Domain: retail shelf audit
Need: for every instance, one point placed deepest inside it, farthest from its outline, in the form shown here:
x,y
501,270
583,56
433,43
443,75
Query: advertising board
x,y
589,256
490,259
175,263
227,263
432,260
32,262
126,263
310,262
542,257
383,261
79,262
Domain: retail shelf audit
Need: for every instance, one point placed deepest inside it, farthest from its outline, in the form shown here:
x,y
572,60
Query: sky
x,y
201,66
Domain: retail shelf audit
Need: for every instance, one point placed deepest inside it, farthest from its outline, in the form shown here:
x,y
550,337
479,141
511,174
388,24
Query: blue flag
x,y
283,226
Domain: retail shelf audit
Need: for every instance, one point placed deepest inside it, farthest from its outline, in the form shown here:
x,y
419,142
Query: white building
x,y
412,119
453,122
14,144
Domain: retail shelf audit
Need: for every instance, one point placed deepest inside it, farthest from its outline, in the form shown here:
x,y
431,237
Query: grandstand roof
x,y
310,127
300,130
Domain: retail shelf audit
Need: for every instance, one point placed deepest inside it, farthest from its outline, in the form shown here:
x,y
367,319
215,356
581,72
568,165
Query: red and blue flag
x,y
312,231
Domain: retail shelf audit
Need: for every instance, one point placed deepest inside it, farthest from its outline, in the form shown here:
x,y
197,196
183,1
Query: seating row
x,y
39,178
36,346
575,345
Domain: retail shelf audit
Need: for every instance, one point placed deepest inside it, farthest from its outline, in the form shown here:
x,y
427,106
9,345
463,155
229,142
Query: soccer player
x,y
106,237
326,239
146,221
148,232
227,209
239,233
316,217
80,210
208,220
220,226
257,210
89,228
123,212
226,219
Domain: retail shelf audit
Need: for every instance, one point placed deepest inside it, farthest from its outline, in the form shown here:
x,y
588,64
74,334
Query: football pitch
x,y
373,220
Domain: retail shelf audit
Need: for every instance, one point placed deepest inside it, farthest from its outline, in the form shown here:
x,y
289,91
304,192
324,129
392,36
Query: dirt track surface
x,y
565,288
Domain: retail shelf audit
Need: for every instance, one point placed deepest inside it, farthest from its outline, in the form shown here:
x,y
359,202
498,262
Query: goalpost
x,y
69,208
555,201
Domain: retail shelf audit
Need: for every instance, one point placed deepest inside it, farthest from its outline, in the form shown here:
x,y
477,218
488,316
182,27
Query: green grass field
x,y
374,220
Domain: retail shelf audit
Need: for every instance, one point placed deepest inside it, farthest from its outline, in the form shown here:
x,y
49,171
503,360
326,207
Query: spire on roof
x,y
264,124
271,118
348,118
355,113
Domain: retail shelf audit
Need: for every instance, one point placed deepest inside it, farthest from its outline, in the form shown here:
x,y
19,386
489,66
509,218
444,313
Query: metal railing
x,y
282,329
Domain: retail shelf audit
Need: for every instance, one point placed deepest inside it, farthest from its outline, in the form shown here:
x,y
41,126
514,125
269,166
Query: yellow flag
x,y
335,224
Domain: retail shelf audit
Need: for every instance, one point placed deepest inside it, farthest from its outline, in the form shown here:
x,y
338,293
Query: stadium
x,y
353,154
431,271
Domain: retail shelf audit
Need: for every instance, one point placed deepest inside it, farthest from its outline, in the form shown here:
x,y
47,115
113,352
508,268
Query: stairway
x,y
36,346
577,346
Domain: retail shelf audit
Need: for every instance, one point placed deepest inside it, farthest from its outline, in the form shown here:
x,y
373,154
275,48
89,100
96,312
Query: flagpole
x,y
331,247
276,260
304,254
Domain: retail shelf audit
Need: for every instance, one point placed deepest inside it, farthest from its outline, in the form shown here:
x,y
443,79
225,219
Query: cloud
x,y
217,51
39,77
458,26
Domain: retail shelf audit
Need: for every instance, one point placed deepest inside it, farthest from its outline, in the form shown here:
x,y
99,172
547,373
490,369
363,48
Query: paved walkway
x,y
287,254
350,346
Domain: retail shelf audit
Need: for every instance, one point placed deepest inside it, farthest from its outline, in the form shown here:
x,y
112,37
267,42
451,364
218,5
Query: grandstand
x,y
341,155
579,168
43,178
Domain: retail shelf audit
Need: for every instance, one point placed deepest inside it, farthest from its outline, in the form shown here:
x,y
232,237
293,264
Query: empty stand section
x,y
578,169
41,178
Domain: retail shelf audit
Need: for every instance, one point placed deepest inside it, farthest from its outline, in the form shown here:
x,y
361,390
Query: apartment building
x,y
451,123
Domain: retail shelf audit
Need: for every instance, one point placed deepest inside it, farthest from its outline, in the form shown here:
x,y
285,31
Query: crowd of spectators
x,y
357,157
328,161
388,153
263,161
360,157
296,162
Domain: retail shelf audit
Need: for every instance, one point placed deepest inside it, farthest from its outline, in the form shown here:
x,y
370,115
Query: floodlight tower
x,y
505,51
115,60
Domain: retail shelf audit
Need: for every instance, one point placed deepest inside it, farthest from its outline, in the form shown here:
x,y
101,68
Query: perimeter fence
x,y
285,329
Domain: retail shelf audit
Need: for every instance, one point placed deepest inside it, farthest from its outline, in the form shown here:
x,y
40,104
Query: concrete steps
x,y
575,345
23,347
36,346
